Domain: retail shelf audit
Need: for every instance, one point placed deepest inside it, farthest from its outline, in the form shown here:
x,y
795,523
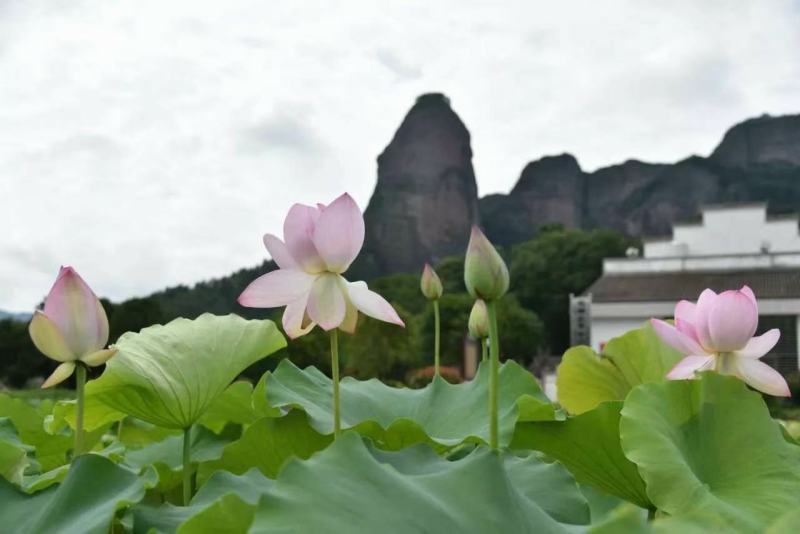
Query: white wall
x,y
730,230
604,330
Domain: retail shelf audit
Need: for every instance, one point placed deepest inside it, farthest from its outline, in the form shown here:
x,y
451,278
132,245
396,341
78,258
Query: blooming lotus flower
x,y
72,328
319,244
485,272
429,283
717,334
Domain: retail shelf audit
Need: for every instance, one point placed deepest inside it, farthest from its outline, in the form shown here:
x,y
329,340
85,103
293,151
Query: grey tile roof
x,y
771,284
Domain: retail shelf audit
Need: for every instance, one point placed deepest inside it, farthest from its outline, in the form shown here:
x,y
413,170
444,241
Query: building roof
x,y
673,286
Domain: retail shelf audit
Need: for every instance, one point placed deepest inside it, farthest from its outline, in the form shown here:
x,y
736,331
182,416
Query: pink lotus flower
x,y
717,334
72,328
319,245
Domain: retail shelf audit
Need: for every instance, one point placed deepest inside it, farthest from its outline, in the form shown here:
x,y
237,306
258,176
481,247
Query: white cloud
x,y
152,143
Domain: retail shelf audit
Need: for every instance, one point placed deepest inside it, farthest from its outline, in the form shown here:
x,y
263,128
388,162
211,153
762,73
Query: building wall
x,y
734,230
606,329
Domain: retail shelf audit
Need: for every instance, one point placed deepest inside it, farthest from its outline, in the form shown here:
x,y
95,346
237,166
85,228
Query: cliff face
x,y
771,141
757,160
426,197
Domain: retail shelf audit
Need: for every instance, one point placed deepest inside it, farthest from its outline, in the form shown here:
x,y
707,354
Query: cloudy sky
x,y
152,143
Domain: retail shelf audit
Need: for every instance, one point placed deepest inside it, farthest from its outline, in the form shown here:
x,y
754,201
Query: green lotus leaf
x,y
267,444
96,415
170,374
585,378
165,457
136,433
234,405
29,422
442,414
85,503
13,461
709,446
589,446
225,503
415,490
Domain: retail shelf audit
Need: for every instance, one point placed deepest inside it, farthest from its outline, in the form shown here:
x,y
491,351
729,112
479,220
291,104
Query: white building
x,y
730,246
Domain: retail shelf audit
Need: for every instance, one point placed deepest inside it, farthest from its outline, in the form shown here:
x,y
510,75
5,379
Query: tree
x,y
558,262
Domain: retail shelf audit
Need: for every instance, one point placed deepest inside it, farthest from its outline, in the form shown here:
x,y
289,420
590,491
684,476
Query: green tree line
x,y
533,316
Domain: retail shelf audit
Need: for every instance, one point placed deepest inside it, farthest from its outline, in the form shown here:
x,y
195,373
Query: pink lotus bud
x,y
485,272
430,284
479,321
73,326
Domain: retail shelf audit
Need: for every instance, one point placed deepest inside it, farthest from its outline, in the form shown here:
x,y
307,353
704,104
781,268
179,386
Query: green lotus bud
x,y
479,321
430,284
485,272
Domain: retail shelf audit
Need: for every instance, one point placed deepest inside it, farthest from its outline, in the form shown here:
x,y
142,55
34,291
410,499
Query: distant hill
x,y
426,194
426,198
22,317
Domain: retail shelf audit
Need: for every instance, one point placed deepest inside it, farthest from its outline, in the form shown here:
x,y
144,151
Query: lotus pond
x,y
665,431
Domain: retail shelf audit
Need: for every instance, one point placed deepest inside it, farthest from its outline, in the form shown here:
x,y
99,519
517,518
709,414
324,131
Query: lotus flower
x,y
478,323
72,327
717,334
485,272
319,244
430,284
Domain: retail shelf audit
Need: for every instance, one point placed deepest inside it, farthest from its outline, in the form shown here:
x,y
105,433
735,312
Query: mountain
x,y
21,317
426,197
757,160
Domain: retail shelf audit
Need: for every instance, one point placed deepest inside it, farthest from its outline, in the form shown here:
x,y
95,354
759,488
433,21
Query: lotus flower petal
x,y
687,367
762,377
350,321
371,304
760,345
61,373
280,254
747,292
276,288
98,358
326,302
685,315
675,338
704,304
296,322
732,321
75,310
339,233
48,339
298,232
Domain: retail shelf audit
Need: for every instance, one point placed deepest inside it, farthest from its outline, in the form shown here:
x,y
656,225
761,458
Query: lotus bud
x,y
430,284
485,272
479,321
72,327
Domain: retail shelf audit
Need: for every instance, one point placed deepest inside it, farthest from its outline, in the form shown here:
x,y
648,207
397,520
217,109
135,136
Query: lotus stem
x,y
187,464
80,383
494,344
337,424
436,337
484,349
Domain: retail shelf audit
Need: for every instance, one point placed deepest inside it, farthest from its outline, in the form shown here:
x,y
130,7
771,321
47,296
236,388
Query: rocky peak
x,y
548,173
765,140
426,197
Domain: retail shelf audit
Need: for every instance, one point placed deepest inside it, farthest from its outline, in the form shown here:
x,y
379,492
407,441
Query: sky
x,y
150,143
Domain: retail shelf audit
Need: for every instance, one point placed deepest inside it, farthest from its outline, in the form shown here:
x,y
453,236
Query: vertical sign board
x,y
580,320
